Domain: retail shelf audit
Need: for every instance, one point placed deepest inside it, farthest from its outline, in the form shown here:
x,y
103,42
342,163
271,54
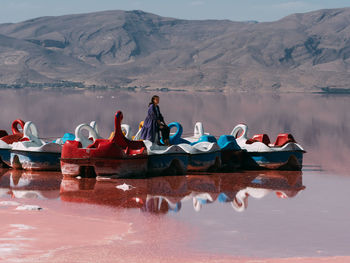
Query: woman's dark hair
x,y
152,100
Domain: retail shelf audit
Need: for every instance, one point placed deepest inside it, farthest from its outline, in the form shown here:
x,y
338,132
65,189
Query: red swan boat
x,y
117,156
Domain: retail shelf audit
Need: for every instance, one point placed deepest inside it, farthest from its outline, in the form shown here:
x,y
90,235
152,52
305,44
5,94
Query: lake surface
x,y
245,214
192,218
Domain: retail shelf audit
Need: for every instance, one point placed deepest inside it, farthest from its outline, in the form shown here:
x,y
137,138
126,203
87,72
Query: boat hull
x,y
278,160
5,157
104,167
203,162
35,161
232,159
114,157
167,164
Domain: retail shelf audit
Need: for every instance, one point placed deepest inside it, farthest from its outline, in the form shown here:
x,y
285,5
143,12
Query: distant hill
x,y
300,53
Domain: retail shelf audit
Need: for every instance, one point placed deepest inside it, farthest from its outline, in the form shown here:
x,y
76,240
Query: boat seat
x,y
264,138
9,139
283,138
96,143
132,148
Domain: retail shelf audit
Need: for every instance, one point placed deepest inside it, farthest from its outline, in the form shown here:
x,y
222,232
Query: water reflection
x,y
30,184
167,194
284,185
153,195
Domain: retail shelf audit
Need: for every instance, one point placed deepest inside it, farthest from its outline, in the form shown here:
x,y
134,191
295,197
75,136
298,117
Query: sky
x,y
12,11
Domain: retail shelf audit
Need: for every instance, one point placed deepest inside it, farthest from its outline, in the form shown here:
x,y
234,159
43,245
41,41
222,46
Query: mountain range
x,y
307,52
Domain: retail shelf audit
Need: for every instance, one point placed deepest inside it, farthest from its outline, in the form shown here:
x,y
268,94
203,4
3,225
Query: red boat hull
x,y
101,167
117,157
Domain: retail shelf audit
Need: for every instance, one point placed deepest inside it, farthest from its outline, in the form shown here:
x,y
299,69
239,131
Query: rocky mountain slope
x,y
300,53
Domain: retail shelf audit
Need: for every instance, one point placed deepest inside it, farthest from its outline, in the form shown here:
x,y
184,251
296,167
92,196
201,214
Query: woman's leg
x,y
165,130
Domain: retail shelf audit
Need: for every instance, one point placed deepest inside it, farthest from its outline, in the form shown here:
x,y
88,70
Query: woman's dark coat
x,y
150,126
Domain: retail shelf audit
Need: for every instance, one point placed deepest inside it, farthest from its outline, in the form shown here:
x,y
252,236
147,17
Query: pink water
x,y
297,216
166,219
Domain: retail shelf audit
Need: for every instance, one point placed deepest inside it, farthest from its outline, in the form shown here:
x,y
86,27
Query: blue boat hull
x,y
36,161
232,159
168,164
204,161
288,160
5,157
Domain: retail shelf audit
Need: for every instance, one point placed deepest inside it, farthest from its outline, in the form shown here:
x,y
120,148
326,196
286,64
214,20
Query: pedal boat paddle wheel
x,y
33,153
284,154
117,156
7,140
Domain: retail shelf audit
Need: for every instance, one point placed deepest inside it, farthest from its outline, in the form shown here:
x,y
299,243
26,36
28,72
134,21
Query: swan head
x,y
83,139
198,130
240,202
240,132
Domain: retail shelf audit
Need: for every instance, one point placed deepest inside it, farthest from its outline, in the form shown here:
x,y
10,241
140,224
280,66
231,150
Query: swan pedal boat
x,y
162,160
33,153
116,157
204,152
7,140
166,160
284,154
230,154
203,156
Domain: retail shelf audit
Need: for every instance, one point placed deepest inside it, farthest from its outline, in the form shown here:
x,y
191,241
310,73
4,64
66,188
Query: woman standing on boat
x,y
154,123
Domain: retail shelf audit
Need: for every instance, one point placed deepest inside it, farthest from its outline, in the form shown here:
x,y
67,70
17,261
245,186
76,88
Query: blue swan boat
x,y
231,155
204,152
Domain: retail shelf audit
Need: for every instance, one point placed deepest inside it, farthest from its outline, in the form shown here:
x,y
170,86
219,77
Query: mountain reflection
x,y
167,194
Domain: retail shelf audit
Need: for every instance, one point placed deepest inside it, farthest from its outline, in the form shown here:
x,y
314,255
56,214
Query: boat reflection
x,y
286,184
30,184
167,194
159,194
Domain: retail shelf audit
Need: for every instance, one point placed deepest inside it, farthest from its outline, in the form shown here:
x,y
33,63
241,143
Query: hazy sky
x,y
237,10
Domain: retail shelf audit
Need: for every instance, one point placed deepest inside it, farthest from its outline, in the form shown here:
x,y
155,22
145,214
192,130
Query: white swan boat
x,y
202,150
33,153
166,160
228,155
285,153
